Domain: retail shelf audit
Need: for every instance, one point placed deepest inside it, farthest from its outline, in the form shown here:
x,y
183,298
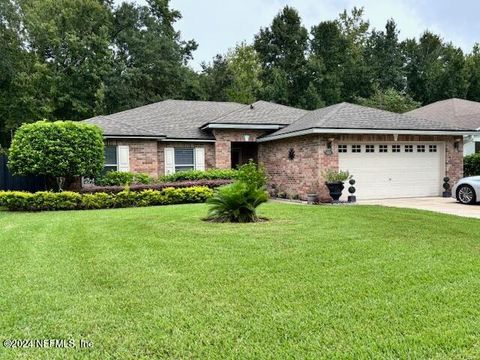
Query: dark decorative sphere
x,y
351,182
446,179
351,190
446,185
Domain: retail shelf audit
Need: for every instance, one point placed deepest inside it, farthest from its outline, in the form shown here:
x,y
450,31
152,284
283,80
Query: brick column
x,y
454,159
223,159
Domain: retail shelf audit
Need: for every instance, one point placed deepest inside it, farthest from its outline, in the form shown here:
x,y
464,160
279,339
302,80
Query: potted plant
x,y
334,180
312,197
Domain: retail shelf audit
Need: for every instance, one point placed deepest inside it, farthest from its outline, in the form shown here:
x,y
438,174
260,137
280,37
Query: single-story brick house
x,y
389,155
463,113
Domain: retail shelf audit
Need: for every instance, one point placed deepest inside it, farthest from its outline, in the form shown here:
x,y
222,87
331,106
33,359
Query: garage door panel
x,y
389,175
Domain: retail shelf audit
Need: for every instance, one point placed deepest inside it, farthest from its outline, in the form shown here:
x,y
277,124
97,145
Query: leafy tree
x,y
281,49
149,58
390,100
71,38
61,149
472,68
328,49
435,70
21,88
216,78
277,89
356,74
246,71
385,58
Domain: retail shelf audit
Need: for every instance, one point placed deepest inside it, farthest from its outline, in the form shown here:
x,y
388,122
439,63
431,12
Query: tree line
x,y
75,59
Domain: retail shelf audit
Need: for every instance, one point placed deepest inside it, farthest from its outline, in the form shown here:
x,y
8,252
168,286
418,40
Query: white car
x,y
467,190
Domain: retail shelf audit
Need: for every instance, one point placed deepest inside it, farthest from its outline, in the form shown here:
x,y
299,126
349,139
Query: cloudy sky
x,y
217,25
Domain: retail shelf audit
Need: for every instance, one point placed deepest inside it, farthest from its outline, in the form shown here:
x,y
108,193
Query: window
x,y
369,148
395,148
420,148
184,159
432,148
383,148
111,158
356,148
408,148
342,148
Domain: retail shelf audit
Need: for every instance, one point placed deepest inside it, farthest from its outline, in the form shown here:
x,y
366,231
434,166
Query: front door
x,y
242,153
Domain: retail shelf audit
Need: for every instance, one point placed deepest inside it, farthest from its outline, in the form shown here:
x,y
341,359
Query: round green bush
x,y
58,149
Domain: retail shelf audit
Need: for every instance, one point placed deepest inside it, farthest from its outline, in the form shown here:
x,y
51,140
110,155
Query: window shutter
x,y
199,158
169,160
123,158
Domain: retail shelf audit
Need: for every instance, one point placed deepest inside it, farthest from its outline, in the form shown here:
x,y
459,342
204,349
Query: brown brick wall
x,y
224,138
147,156
143,155
298,176
454,159
304,173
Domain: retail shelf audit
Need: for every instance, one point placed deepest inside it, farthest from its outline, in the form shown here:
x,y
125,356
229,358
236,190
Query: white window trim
x,y
175,165
198,159
116,155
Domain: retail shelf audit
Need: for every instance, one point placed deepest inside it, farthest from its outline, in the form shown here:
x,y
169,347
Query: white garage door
x,y
390,170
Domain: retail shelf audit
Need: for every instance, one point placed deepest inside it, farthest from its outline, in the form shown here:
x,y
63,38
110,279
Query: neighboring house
x,y
457,112
389,155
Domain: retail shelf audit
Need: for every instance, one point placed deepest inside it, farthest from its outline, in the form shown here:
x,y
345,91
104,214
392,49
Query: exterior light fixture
x,y
456,144
246,137
329,149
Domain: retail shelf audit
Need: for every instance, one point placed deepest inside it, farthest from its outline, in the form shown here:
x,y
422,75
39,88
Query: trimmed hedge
x,y
67,200
211,174
119,178
471,164
181,184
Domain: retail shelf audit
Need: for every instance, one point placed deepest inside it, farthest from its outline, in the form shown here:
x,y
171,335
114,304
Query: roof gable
x,y
261,112
457,112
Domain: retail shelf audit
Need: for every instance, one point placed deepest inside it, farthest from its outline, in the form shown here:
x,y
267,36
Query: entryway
x,y
242,152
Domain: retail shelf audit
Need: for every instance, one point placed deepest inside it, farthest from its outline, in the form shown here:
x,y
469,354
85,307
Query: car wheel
x,y
466,194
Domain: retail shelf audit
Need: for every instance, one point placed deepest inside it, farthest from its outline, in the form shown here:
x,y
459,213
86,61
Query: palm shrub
x,y
238,202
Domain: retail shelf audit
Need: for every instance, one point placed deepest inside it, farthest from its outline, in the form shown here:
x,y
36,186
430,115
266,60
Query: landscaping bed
x,y
91,189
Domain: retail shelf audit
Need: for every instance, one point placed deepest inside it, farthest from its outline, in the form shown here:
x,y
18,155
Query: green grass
x,y
314,282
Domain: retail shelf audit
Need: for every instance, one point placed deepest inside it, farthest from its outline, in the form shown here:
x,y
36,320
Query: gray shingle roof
x,y
350,116
261,112
171,118
183,119
458,112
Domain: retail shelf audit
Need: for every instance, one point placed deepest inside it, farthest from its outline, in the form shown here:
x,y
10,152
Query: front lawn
x,y
314,282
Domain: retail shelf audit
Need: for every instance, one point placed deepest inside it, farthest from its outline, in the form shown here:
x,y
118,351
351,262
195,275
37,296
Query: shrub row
x,y
119,178
211,174
67,200
181,184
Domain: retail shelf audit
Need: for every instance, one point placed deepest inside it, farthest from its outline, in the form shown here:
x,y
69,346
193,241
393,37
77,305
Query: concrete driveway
x,y
437,204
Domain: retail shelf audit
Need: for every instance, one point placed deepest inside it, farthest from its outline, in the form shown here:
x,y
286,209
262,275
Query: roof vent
x,y
251,106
